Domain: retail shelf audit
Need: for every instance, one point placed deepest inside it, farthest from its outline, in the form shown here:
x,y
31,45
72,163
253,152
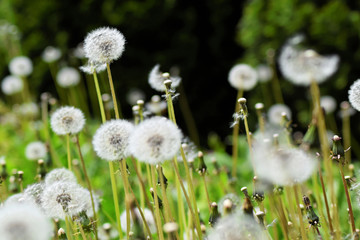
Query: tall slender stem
x,y
235,137
157,210
116,200
89,185
98,92
122,165
302,227
68,151
207,192
112,89
326,200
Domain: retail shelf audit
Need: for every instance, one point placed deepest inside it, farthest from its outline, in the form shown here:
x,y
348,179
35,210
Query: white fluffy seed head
x,y
35,151
155,140
92,68
156,106
264,73
303,66
104,45
156,79
59,175
67,120
234,199
237,226
328,103
63,198
68,77
21,66
24,221
149,218
11,85
134,95
33,192
29,109
275,113
354,95
111,140
242,76
282,165
51,54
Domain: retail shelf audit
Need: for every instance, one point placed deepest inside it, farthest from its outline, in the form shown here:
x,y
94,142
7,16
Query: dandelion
x,y
328,103
190,150
21,66
59,175
35,151
354,95
242,76
235,201
15,199
156,79
155,140
24,221
29,109
134,95
303,66
282,165
237,226
68,77
156,106
92,68
104,45
275,113
149,218
33,192
11,85
51,54
111,140
264,73
67,120
64,198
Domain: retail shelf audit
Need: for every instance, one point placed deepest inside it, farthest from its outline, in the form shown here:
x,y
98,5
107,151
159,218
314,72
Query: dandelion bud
x,y
158,198
161,174
21,66
259,106
12,85
337,149
140,103
227,206
3,173
155,140
202,166
261,215
61,234
20,176
104,45
242,76
245,192
247,206
111,140
214,215
157,78
67,120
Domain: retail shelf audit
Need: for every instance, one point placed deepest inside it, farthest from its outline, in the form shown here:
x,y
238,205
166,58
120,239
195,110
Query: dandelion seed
x,y
68,77
51,54
354,95
156,79
303,66
149,218
24,221
63,198
237,227
21,66
242,76
35,151
104,45
275,113
11,85
59,175
264,73
155,140
328,103
67,120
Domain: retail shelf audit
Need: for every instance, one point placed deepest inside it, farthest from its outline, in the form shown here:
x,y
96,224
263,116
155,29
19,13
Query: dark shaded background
x,y
204,38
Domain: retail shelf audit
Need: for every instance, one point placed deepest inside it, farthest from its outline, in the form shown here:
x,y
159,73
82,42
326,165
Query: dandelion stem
x,y
347,136
68,227
157,209
98,92
326,200
207,192
116,109
122,165
353,228
302,227
82,232
235,136
89,185
68,151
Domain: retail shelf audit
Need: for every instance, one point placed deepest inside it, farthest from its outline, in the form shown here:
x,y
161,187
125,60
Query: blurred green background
x,y
204,38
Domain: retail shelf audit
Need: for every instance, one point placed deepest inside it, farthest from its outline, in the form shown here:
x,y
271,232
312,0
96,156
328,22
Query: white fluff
x,y
11,85
35,151
67,120
21,66
68,77
242,76
156,79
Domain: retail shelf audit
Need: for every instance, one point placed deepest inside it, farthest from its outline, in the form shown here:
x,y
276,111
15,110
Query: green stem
x,y
68,228
116,200
98,93
116,109
68,151
157,210
235,136
207,192
302,227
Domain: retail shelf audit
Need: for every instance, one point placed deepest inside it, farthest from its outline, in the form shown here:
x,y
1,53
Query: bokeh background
x,y
203,38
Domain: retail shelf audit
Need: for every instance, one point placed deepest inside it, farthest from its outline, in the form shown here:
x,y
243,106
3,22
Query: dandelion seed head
x,y
303,66
67,120
104,45
149,218
275,113
61,198
237,226
156,79
15,199
11,85
92,68
235,200
242,76
328,103
29,109
354,95
51,54
111,140
134,95
264,73
24,221
35,151
68,77
155,140
190,150
21,66
32,193
59,175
